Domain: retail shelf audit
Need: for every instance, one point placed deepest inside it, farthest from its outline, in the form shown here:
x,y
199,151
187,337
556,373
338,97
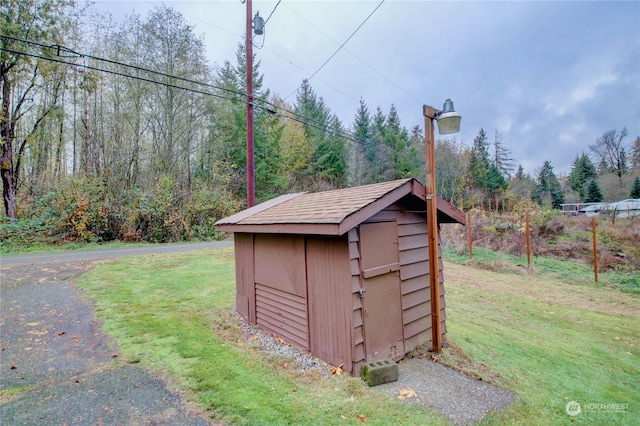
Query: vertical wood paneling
x,y
414,272
279,262
357,343
329,300
245,301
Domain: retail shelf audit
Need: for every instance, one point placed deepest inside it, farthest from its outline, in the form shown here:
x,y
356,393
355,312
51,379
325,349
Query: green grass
x,y
550,354
40,247
172,314
566,270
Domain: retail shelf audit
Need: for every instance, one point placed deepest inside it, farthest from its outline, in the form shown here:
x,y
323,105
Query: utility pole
x,y
251,182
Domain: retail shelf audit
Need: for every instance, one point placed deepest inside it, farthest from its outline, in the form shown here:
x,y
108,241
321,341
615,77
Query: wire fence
x,y
606,242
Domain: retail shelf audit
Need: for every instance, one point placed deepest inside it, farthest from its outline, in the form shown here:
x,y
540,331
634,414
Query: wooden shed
x,y
343,273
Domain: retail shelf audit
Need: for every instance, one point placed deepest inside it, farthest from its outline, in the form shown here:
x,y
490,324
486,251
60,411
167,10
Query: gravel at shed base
x,y
461,399
302,360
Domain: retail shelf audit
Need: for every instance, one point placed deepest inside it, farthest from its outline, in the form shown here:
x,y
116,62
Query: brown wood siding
x,y
282,313
245,295
330,305
357,345
280,263
414,274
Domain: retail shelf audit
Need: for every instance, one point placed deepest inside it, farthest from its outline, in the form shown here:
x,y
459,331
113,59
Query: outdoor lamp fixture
x,y
448,122
448,119
258,24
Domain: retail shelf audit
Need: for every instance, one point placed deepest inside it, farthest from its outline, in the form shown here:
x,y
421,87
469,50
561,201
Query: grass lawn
x,y
173,315
549,341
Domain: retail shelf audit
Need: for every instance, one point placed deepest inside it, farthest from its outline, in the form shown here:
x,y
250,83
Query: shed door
x,y
381,285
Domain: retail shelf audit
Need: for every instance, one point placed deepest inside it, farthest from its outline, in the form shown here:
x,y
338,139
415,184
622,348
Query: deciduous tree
x,y
24,78
610,152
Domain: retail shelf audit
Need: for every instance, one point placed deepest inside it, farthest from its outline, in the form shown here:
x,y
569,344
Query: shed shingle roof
x,y
329,212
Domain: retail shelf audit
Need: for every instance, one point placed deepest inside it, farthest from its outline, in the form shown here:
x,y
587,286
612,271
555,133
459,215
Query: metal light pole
x,y
448,122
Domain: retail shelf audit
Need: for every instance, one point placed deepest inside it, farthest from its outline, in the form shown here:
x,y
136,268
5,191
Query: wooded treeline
x,y
149,144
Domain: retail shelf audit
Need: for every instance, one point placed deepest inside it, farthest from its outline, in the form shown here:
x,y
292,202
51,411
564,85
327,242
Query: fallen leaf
x,y
434,358
254,337
362,418
337,370
404,393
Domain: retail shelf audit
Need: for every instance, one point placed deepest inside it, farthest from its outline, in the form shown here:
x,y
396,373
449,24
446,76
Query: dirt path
x,y
57,366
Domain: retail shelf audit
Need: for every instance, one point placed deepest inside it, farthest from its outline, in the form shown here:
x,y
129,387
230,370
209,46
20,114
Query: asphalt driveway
x,y
58,367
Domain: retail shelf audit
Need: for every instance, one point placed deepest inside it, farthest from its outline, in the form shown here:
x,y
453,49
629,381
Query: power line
x,y
355,56
271,14
59,48
342,45
270,107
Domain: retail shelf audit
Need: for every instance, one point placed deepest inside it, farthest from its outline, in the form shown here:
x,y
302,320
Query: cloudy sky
x,y
551,76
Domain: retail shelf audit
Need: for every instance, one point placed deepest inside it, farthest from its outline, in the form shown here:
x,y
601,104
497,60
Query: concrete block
x,y
379,372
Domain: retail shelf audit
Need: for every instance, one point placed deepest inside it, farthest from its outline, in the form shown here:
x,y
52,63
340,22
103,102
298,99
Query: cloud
x,y
551,76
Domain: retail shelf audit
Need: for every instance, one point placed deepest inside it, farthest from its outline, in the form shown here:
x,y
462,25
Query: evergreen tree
x,y
548,190
484,173
502,158
635,190
360,164
379,153
479,160
582,172
227,134
593,193
328,160
403,158
496,183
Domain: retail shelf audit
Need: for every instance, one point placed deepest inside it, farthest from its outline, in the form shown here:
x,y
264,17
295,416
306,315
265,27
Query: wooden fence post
x,y
469,233
595,248
528,238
